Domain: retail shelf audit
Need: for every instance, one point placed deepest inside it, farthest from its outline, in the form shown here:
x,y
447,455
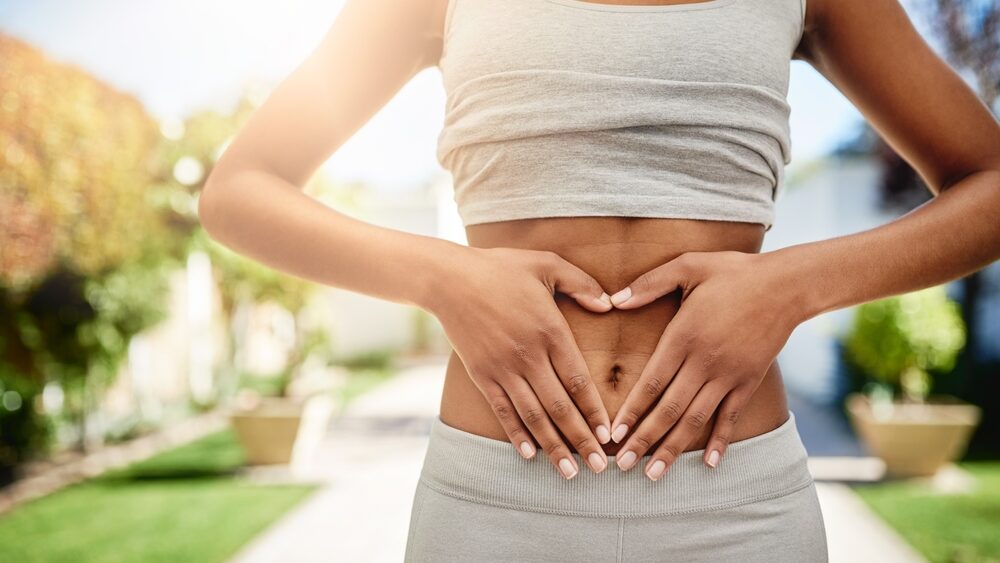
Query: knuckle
x,y
534,416
578,384
645,283
554,448
723,436
669,450
591,413
581,443
711,358
548,331
670,410
642,441
653,386
732,416
520,351
502,411
560,409
696,419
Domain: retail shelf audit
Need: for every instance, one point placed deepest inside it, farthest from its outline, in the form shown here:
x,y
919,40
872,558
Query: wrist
x,y
437,274
792,280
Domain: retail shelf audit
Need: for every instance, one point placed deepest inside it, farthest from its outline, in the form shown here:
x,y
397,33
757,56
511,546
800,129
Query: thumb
x,y
567,278
653,284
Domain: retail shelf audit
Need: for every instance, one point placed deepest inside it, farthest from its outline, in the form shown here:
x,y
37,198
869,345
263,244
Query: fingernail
x,y
622,296
619,433
566,466
526,450
602,434
713,458
604,299
655,471
625,461
597,462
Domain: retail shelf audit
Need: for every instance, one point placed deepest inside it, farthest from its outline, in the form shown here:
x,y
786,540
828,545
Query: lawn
x,y
181,505
953,528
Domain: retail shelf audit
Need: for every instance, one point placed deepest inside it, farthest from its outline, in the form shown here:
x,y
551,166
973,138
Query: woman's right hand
x,y
499,314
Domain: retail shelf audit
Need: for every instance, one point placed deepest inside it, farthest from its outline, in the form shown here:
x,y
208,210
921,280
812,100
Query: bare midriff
x,y
616,344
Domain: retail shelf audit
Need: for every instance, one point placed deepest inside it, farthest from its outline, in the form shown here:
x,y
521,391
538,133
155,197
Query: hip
x,y
477,500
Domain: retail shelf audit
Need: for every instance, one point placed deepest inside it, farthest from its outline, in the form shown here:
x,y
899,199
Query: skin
x,y
687,363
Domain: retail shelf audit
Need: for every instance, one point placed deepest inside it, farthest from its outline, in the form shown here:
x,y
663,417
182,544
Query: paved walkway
x,y
370,462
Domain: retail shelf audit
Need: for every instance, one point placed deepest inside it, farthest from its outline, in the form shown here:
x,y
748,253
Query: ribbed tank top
x,y
559,108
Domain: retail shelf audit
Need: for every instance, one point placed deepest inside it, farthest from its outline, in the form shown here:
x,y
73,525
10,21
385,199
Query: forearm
x,y
956,233
268,219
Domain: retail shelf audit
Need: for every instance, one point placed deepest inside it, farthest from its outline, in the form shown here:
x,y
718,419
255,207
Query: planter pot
x,y
282,430
914,439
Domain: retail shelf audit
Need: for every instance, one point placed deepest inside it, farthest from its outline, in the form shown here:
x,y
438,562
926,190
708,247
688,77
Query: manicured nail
x,y
619,433
625,461
604,299
602,434
713,458
526,450
597,462
655,471
566,466
622,296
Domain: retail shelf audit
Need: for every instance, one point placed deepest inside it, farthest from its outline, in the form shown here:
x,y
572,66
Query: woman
x,y
631,149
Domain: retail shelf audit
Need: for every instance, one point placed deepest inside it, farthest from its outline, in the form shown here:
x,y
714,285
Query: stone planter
x,y
282,430
914,439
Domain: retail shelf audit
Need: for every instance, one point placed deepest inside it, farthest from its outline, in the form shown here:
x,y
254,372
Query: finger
x,y
567,278
725,424
690,426
537,420
573,371
568,419
654,284
663,364
511,422
661,418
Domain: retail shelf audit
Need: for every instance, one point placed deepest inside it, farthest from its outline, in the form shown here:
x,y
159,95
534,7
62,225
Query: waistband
x,y
488,471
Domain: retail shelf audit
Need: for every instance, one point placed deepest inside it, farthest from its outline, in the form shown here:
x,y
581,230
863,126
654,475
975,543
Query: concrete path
x,y
370,463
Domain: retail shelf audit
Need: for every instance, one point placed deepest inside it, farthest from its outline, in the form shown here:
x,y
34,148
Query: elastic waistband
x,y
488,471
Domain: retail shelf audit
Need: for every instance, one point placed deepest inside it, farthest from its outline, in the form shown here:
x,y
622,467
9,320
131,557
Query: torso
x,y
615,344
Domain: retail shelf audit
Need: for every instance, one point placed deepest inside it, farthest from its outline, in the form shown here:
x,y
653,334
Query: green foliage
x,y
373,359
83,250
74,164
900,340
22,431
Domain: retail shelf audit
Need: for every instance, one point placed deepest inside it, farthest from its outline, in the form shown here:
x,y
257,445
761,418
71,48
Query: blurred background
x,y
164,399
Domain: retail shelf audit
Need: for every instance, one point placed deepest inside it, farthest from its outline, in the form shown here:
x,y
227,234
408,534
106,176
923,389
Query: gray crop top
x,y
560,108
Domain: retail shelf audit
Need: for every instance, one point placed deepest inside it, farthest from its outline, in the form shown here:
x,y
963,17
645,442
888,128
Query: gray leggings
x,y
477,500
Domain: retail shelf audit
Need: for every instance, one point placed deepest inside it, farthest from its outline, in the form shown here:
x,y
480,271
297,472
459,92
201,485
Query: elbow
x,y
212,207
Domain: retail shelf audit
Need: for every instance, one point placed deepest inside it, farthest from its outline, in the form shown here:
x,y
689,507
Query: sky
x,y
180,56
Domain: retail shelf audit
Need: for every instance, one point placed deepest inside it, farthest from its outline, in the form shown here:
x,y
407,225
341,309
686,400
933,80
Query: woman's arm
x,y
871,52
738,309
496,305
253,200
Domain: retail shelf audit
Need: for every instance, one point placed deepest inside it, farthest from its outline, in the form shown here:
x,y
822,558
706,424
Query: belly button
x,y
615,369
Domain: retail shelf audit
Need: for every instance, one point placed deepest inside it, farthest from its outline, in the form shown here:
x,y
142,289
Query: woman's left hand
x,y
734,318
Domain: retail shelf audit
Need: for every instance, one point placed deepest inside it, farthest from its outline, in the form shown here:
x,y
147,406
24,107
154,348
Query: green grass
x,y
361,381
181,505
953,528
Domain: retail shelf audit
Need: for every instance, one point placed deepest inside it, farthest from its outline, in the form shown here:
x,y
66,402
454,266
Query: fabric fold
x,y
545,142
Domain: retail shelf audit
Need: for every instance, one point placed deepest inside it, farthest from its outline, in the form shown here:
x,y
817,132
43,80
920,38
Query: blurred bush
x,y
899,341
82,250
98,203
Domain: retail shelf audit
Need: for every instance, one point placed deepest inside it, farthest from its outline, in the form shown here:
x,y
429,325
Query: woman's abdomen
x,y
616,345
